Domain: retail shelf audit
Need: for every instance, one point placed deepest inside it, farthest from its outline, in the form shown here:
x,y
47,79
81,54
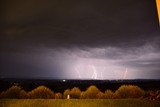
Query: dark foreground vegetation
x,y
92,92
59,85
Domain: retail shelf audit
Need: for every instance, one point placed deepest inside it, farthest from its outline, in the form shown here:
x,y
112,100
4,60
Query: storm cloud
x,y
59,38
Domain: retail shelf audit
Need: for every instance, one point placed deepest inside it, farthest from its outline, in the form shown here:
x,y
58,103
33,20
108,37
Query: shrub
x,y
66,93
158,97
23,94
58,96
109,94
41,92
14,92
129,91
101,95
90,93
153,95
75,93
83,96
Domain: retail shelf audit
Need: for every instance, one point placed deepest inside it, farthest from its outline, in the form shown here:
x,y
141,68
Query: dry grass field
x,y
77,103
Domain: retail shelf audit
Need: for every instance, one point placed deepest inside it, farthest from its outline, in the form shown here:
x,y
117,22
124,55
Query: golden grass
x,y
77,103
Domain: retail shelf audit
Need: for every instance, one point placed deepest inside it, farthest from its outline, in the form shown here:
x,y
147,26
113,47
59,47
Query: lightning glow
x,y
100,63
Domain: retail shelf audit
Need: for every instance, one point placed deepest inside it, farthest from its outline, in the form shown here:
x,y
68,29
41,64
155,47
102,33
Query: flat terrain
x,y
77,103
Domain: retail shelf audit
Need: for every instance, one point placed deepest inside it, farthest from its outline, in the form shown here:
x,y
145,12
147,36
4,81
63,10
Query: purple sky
x,y
87,39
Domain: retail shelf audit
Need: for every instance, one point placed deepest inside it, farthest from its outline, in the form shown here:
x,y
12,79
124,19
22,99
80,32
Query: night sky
x,y
79,39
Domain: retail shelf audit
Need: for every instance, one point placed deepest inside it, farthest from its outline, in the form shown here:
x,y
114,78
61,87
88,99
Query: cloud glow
x,y
108,63
92,63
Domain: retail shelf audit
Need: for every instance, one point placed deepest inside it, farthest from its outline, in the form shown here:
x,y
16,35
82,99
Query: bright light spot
x,y
158,9
64,80
68,96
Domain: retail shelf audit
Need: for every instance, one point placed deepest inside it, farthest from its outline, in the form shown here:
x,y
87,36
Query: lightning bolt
x,y
125,74
101,75
102,72
94,76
